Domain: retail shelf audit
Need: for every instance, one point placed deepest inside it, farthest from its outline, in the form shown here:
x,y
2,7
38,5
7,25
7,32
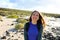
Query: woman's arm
x,y
25,32
40,33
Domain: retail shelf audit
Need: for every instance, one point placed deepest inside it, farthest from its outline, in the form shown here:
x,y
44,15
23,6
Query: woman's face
x,y
35,16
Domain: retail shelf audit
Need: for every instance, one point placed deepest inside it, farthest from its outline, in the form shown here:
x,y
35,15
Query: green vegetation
x,y
13,16
6,12
13,13
51,15
0,17
21,23
19,20
19,26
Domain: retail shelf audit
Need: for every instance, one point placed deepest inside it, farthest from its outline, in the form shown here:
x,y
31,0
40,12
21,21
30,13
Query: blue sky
x,y
50,6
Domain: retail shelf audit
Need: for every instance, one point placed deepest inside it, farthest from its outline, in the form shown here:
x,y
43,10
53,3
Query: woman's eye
x,y
36,15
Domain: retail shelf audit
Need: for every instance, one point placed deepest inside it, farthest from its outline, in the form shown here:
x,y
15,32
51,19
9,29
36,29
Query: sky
x,y
49,6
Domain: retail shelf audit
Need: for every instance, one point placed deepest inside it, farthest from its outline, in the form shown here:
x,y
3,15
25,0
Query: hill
x,y
7,11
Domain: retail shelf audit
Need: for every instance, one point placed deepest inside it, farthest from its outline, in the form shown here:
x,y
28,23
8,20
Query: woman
x,y
34,28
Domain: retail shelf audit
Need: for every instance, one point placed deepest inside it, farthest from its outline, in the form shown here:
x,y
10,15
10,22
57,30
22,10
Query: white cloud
x,y
48,9
51,6
7,4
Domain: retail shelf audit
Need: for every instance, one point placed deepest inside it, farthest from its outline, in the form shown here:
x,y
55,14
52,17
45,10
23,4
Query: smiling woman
x,y
34,28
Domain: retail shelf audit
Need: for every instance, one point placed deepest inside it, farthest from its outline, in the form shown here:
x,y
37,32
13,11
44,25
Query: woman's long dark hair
x,y
40,20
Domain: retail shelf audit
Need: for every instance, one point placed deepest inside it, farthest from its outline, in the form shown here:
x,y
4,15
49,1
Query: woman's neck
x,y
34,22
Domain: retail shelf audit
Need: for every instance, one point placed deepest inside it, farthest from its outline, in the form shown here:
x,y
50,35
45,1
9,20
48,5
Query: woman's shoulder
x,y
27,23
26,26
40,25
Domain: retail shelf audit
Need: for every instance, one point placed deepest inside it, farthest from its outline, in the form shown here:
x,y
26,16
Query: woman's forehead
x,y
36,13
